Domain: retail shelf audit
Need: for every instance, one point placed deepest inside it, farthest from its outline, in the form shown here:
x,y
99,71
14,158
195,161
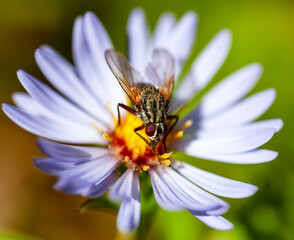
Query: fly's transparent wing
x,y
160,72
128,78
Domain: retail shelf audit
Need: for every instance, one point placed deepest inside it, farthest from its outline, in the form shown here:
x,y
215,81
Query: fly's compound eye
x,y
165,129
150,130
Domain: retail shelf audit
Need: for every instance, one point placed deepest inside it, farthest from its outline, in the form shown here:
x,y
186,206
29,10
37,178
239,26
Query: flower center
x,y
133,150
130,148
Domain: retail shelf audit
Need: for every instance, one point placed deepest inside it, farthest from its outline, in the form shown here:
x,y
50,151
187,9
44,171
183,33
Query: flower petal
x,y
215,184
138,38
70,153
217,222
231,143
62,75
129,214
125,187
213,133
103,186
48,128
86,68
181,38
204,67
230,90
250,157
49,99
98,42
245,111
162,30
27,103
179,193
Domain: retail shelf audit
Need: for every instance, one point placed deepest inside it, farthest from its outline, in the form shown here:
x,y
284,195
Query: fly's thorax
x,y
153,107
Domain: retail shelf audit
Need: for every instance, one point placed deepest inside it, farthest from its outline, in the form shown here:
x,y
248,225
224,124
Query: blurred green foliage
x,y
262,32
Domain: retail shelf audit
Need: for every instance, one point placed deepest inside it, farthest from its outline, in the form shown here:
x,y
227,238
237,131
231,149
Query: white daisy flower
x,y
86,146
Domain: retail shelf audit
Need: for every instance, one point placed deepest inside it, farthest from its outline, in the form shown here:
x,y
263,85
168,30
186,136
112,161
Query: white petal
x,y
230,90
251,157
62,75
181,39
125,187
25,101
53,102
173,192
129,214
211,58
245,111
205,66
70,153
216,222
98,42
102,186
232,143
86,69
213,133
215,184
162,30
138,38
47,128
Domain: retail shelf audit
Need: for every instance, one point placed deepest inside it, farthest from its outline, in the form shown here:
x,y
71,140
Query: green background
x,y
262,32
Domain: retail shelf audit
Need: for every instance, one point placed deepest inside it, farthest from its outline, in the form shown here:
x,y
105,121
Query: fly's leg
x,y
175,122
172,126
125,107
146,141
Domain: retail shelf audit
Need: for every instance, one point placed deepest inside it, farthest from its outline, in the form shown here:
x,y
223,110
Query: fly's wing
x,y
161,72
127,77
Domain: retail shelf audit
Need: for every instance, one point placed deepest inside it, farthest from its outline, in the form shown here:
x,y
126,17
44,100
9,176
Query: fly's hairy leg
x,y
125,107
146,141
172,117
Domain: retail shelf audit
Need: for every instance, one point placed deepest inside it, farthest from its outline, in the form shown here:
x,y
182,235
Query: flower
x,y
86,146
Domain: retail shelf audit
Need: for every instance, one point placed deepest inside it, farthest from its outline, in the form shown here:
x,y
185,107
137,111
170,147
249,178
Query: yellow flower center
x,y
133,150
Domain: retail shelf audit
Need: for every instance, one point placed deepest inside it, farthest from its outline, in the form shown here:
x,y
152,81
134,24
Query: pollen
x,y
145,168
132,149
187,124
166,162
166,155
106,137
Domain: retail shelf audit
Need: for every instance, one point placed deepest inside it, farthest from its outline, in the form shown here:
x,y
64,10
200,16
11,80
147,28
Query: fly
x,y
151,101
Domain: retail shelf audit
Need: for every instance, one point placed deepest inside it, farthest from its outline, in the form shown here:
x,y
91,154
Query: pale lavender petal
x,y
181,38
204,67
229,144
70,153
51,100
162,30
217,222
125,187
245,111
48,128
179,193
73,186
230,90
25,101
137,39
215,184
103,186
86,69
62,75
97,40
277,124
250,157
129,214
52,166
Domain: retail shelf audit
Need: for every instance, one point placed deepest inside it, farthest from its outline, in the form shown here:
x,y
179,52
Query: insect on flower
x,y
151,101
